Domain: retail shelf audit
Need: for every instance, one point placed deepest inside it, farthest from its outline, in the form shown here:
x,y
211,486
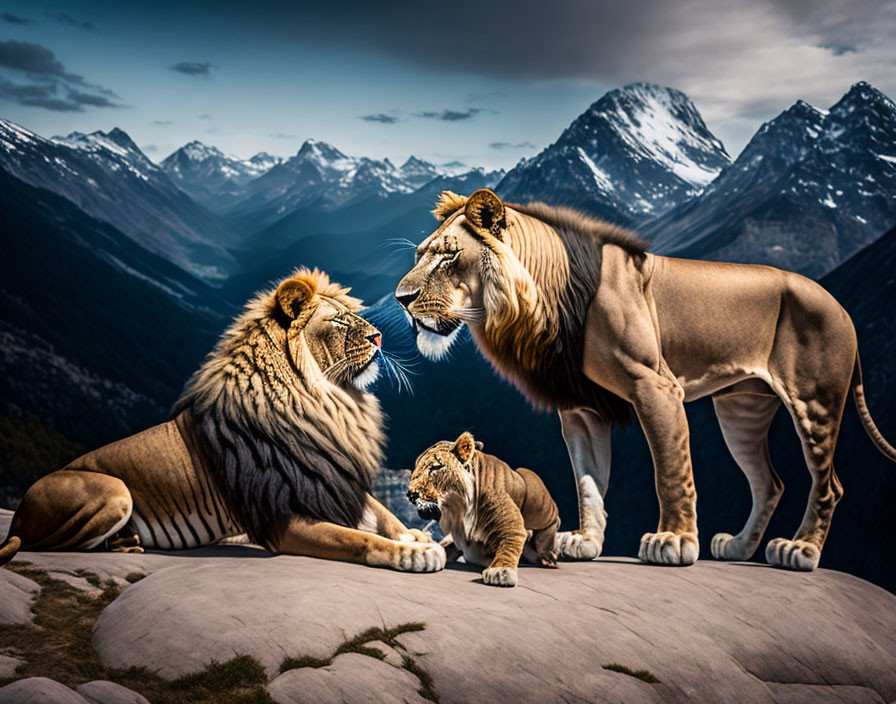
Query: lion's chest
x,y
459,519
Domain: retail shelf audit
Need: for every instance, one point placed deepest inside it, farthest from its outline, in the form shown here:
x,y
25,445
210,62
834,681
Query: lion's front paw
x,y
415,536
420,557
792,554
668,548
499,576
578,546
725,546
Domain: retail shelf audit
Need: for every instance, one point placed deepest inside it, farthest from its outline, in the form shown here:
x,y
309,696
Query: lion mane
x,y
546,276
280,438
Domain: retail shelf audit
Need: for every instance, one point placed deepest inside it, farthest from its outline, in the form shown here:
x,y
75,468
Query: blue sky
x,y
486,83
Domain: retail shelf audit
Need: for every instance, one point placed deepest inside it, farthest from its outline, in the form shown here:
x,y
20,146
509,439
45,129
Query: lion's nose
x,y
375,339
405,298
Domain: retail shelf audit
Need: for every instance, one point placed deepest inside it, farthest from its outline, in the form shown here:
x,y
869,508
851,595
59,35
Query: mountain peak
x,y
318,150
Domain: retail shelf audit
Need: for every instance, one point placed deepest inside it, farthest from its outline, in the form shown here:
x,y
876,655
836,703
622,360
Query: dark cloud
x,y
511,145
194,68
15,19
50,86
451,115
380,117
205,116
64,18
838,49
161,123
283,135
149,148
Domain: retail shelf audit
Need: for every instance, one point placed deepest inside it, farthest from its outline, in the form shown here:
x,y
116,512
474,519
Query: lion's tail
x,y
9,548
858,395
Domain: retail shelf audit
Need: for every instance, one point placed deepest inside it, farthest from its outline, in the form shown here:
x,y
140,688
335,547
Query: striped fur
x,y
261,435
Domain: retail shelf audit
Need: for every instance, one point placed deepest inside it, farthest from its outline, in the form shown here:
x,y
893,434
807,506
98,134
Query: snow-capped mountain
x,y
809,190
107,176
635,153
321,176
210,176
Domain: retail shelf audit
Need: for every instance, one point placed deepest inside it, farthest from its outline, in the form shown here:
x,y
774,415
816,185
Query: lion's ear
x,y
293,296
479,446
464,447
485,212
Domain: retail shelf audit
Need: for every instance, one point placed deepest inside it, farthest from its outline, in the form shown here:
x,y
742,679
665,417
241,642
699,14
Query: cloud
x,y
15,19
727,55
149,148
194,68
161,123
50,85
380,117
510,145
64,18
451,115
205,116
283,135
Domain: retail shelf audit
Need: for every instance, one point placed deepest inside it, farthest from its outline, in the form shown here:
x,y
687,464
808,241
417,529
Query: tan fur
x,y
490,514
270,437
578,316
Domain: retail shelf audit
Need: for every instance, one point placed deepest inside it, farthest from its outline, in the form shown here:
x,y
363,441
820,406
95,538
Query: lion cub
x,y
489,513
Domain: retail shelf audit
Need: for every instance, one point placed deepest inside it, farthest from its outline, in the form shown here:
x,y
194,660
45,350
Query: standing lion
x,y
582,319
274,436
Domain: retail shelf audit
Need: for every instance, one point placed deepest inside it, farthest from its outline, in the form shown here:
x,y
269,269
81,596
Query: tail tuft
x,y
858,394
9,549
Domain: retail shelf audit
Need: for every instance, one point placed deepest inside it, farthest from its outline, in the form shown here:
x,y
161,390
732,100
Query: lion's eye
x,y
448,257
434,467
338,323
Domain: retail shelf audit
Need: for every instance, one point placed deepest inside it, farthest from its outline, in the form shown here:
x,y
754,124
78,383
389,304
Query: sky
x,y
483,82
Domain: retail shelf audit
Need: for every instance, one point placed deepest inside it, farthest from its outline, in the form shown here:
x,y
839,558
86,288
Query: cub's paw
x,y
792,554
415,536
573,545
725,546
548,560
419,557
669,548
499,576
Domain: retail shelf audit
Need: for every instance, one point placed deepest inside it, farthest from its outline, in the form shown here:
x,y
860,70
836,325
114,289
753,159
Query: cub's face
x,y
344,345
443,469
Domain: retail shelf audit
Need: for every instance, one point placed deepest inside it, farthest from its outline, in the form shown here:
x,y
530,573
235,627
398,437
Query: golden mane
x,y
545,273
280,437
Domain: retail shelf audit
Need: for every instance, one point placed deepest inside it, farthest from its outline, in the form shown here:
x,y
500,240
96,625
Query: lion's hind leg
x,y
72,510
745,413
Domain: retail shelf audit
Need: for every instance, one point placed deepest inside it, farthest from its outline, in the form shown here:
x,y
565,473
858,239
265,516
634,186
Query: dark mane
x,y
571,220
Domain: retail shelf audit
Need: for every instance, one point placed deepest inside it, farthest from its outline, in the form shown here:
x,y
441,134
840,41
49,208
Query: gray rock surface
x,y
105,692
39,690
354,678
733,632
8,665
18,593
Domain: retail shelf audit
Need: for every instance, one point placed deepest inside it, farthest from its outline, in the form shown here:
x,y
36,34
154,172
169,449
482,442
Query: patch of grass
x,y
642,675
427,686
134,577
57,644
358,644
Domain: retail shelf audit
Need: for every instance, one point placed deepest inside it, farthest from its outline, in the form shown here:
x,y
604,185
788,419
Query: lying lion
x,y
274,436
583,320
491,514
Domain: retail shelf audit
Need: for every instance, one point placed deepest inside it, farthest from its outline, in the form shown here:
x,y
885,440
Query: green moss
x,y
358,644
134,577
642,675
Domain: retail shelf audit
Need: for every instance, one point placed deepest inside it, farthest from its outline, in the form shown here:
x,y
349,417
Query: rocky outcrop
x,y
609,631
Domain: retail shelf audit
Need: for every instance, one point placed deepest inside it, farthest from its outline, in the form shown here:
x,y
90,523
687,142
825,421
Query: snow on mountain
x,y
810,189
321,176
212,177
107,176
637,152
